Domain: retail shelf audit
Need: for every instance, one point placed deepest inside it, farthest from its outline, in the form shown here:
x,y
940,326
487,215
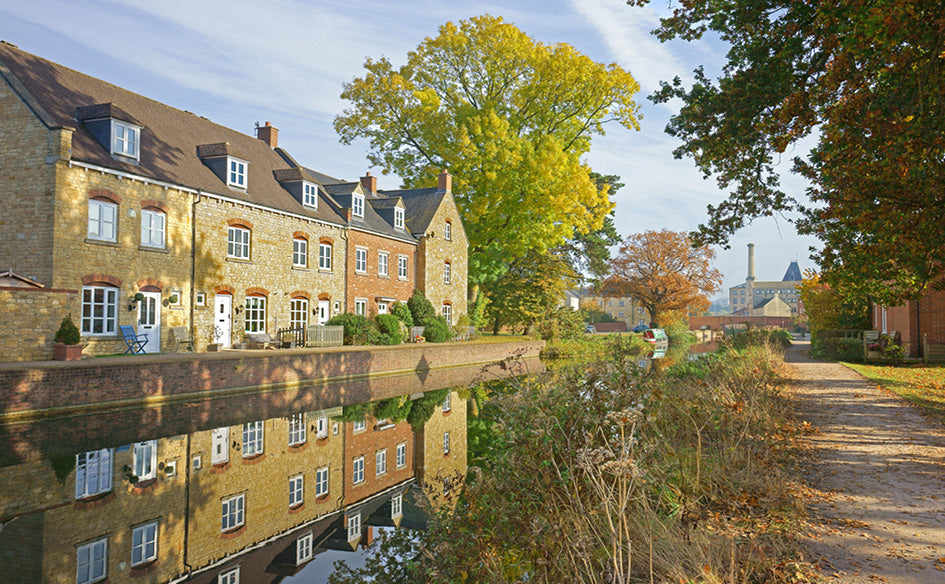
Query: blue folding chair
x,y
134,341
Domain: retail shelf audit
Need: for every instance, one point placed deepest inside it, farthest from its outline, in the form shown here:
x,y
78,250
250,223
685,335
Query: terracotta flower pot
x,y
63,352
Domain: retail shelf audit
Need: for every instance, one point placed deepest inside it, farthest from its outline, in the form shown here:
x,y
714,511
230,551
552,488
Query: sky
x,y
239,62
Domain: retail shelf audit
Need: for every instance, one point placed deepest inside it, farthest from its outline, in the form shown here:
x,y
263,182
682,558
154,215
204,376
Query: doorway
x,y
149,321
222,320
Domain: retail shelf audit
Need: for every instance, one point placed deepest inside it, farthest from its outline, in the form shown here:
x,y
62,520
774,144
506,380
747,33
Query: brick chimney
x,y
268,134
444,181
369,183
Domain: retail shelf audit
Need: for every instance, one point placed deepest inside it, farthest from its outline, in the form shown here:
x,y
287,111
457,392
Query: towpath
x,y
876,478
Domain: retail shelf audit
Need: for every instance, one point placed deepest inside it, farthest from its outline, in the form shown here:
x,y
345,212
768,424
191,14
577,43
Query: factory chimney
x,y
751,263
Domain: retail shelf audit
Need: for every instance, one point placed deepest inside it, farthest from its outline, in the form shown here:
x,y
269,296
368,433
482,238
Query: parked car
x,y
589,328
639,328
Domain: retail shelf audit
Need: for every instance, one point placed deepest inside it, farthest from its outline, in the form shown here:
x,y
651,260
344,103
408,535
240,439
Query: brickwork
x,y
28,152
35,314
263,480
916,321
437,468
371,284
367,443
435,251
622,308
25,387
269,269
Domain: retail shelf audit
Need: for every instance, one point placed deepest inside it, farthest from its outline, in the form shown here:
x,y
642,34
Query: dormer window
x,y
357,205
236,172
310,195
125,139
398,218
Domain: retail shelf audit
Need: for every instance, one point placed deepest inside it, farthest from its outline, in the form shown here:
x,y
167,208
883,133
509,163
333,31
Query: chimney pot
x,y
268,134
444,181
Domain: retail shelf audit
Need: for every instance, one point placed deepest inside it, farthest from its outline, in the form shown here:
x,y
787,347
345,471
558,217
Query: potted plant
x,y
67,347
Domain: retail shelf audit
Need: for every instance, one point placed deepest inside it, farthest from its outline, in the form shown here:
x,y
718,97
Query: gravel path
x,y
876,478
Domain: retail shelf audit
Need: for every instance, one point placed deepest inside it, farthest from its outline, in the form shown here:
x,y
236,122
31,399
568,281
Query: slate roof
x,y
421,206
372,221
793,273
169,138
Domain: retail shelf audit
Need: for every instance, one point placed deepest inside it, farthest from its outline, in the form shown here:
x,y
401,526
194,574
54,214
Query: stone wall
x,y
435,251
440,473
31,318
149,379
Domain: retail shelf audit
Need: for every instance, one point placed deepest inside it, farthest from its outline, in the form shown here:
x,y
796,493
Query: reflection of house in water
x,y
250,502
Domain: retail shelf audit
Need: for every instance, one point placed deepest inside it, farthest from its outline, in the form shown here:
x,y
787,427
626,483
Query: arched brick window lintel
x,y
104,194
301,294
101,278
149,282
240,223
327,240
224,289
324,296
155,204
257,291
300,235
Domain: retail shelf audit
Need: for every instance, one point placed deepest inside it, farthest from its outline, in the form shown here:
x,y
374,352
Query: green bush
x,y
401,311
395,409
436,330
561,323
836,348
68,333
353,413
420,308
389,327
423,408
358,329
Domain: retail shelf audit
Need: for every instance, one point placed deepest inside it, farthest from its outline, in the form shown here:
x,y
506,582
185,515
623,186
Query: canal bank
x,y
336,376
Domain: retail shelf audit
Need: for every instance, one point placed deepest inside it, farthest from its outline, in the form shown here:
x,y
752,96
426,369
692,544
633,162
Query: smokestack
x,y
751,263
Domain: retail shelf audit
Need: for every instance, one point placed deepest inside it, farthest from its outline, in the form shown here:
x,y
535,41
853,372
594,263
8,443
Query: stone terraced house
x,y
131,212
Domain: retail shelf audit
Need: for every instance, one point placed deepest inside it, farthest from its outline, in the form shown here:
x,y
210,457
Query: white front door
x,y
149,321
222,320
322,311
382,308
220,450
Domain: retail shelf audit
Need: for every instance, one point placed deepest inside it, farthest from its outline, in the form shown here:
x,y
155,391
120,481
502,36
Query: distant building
x,y
622,308
767,298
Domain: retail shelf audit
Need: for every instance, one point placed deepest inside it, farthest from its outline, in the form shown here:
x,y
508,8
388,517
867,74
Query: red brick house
x,y
916,321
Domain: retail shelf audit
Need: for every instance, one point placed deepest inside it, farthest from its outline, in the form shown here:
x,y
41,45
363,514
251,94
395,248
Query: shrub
x,y
353,413
68,333
401,311
358,329
389,327
436,330
395,409
561,323
836,348
423,408
420,308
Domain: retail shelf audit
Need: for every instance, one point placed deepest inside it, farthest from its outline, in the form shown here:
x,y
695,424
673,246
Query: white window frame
x,y
321,427
310,194
229,577
401,453
298,312
128,143
448,231
360,306
448,313
299,252
380,462
447,403
297,429
93,472
398,218
99,307
153,228
103,220
321,482
233,513
358,426
383,258
446,442
324,256
447,272
144,543
396,506
254,315
304,549
236,171
360,260
357,205
91,561
354,527
238,242
357,470
296,491
402,267
253,438
145,460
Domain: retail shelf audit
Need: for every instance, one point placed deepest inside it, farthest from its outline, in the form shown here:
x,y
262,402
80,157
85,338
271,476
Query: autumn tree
x,y
531,287
831,307
861,78
589,253
663,272
509,117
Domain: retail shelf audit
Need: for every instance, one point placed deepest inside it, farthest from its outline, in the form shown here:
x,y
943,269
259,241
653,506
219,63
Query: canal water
x,y
249,489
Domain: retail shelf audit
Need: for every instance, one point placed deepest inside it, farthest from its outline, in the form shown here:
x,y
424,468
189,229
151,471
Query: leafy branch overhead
x,y
863,79
509,117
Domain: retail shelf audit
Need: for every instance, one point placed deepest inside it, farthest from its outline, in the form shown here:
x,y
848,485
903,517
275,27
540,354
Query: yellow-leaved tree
x,y
510,118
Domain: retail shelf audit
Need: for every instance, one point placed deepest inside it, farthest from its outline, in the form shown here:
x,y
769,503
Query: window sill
x,y
239,260
325,270
301,268
360,273
383,276
154,249
102,242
